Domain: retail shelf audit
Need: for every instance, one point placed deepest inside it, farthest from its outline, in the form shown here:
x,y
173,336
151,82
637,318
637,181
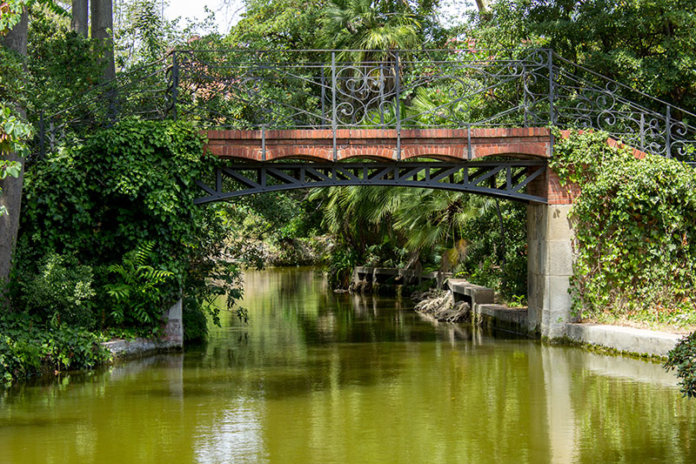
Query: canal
x,y
318,377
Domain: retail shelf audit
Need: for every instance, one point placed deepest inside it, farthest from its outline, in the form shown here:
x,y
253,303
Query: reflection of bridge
x,y
466,120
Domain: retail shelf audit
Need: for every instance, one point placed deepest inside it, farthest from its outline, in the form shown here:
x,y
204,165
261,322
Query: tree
x,y
80,17
367,25
14,41
278,24
647,45
102,30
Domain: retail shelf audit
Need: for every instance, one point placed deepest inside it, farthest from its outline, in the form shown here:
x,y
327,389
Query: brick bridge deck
x,y
379,144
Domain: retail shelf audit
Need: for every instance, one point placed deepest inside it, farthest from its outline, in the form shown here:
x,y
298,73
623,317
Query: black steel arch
x,y
504,179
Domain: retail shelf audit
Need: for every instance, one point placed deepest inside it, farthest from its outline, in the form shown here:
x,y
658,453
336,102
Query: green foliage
x,y
278,24
27,348
60,291
496,254
426,229
143,35
647,45
635,224
682,358
14,133
10,14
129,184
195,322
363,25
136,288
61,65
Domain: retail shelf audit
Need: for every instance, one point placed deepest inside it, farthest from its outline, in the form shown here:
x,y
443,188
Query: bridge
x,y
466,120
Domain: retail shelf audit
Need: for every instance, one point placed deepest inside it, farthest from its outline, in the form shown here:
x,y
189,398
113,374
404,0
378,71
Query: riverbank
x,y
29,349
464,302
627,340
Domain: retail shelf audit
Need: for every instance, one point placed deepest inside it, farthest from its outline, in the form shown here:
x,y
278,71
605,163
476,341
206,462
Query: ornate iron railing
x,y
338,89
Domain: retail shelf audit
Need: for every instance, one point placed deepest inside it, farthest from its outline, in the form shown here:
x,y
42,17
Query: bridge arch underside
x,y
508,178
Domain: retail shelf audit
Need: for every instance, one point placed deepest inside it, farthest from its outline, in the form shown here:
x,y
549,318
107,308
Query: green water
x,y
322,378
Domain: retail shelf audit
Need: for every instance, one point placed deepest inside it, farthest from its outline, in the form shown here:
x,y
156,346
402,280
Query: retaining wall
x,y
172,340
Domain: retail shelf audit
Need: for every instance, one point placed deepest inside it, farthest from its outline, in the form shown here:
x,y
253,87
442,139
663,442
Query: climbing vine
x,y
127,186
635,239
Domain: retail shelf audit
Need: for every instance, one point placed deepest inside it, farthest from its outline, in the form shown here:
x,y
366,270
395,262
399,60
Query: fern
x,y
137,287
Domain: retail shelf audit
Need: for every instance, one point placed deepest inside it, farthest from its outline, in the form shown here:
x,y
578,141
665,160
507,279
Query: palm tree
x,y
426,223
359,215
371,30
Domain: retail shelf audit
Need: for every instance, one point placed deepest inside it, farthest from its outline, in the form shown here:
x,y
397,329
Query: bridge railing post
x,y
323,97
175,84
668,132
642,131
381,96
525,94
397,81
552,90
263,142
334,122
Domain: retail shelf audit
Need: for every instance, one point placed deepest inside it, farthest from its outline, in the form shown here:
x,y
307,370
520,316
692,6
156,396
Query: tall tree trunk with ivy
x,y
80,17
11,187
102,30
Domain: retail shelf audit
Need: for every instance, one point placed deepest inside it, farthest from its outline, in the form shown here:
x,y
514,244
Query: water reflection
x,y
317,377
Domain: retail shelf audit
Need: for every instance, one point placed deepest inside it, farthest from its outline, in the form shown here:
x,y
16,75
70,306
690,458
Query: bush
x,y
683,358
635,231
126,185
136,289
195,322
497,258
29,348
61,291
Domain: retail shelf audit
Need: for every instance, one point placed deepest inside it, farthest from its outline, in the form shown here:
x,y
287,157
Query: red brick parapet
x,y
379,144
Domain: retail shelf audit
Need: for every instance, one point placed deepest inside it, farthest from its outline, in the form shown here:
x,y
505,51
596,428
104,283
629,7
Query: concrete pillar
x,y
174,327
549,267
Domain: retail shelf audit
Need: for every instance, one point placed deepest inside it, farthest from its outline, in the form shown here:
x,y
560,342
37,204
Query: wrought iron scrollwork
x,y
314,89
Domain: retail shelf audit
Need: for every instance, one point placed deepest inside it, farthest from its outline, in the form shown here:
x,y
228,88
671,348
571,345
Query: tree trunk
x,y
483,6
80,17
102,29
11,196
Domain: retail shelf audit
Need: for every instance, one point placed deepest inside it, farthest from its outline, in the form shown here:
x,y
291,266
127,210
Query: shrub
x,y
29,348
635,231
62,291
128,184
195,322
683,359
137,288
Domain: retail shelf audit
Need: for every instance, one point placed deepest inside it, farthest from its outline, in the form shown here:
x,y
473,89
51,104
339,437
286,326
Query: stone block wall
x,y
549,268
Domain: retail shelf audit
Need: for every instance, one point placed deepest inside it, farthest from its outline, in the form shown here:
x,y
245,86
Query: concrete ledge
x,y
625,339
476,293
383,274
172,340
516,316
500,317
123,349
